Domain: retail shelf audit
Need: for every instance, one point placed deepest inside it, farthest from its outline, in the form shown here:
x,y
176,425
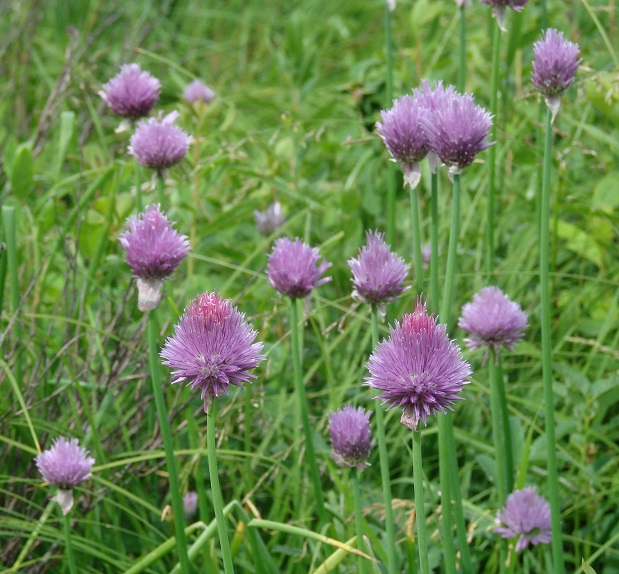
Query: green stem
x,y
422,540
434,228
358,519
218,505
160,189
508,444
389,97
494,94
139,204
445,469
462,70
452,254
416,228
33,536
302,400
553,482
175,491
66,523
384,465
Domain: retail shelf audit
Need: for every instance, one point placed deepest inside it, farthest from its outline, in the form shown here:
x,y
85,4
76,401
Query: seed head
x,y
350,437
196,92
132,93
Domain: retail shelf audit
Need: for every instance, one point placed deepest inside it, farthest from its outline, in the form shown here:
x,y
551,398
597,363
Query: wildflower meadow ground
x,y
310,286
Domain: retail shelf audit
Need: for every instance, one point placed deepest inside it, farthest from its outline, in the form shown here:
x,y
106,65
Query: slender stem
x,y
508,443
137,174
452,254
66,524
462,70
389,97
175,491
358,518
302,400
33,536
434,228
416,228
3,270
218,505
553,482
494,94
160,189
445,469
384,465
422,540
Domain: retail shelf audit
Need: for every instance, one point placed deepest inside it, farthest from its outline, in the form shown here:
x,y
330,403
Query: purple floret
x,y
269,220
294,268
196,92
555,64
418,368
65,464
350,437
500,6
132,93
527,516
212,348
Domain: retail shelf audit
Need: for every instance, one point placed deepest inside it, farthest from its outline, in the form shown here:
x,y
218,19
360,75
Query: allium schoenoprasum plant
x,y
300,87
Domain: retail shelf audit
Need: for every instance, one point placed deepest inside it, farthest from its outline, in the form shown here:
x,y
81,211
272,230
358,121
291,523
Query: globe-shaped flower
x,y
458,131
212,348
269,220
350,437
158,143
132,93
378,274
554,67
527,516
196,92
295,268
65,465
153,250
418,368
402,133
500,6
492,320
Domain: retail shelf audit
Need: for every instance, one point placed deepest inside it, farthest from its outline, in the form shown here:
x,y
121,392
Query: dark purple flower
x,y
458,131
527,516
350,437
492,320
212,348
190,504
153,250
159,143
401,130
418,368
500,6
554,67
132,93
197,92
378,274
294,268
269,220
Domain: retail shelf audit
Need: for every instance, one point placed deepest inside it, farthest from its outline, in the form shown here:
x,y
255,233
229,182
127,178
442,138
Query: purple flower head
x,y
493,320
294,268
458,131
527,516
153,250
269,220
426,255
500,6
378,274
132,93
196,92
401,130
158,143
418,368
190,504
554,67
350,437
212,348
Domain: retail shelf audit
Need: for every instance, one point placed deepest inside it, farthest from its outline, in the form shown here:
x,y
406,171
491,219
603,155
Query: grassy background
x,y
299,88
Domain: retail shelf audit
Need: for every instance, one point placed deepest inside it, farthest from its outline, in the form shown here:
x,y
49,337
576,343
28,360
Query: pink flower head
x,y
196,92
132,93
350,437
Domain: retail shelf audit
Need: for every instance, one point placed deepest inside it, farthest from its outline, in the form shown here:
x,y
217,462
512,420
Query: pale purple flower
x,y
132,93
350,437
197,92
527,516
295,268
212,347
378,274
418,368
554,67
153,250
402,133
500,6
426,255
269,220
492,320
190,503
458,130
159,143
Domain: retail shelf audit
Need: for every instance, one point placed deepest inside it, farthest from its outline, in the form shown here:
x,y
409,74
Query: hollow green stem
x,y
422,539
389,97
218,505
553,482
175,491
384,465
462,70
452,253
302,400
33,536
354,478
434,228
445,469
137,174
416,228
509,449
66,525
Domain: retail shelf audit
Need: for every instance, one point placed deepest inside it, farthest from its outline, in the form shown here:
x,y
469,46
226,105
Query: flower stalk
x,y
422,539
416,229
358,519
66,526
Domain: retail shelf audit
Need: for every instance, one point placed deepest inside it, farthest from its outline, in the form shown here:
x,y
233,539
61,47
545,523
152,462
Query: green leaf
x,y
21,171
586,568
580,242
